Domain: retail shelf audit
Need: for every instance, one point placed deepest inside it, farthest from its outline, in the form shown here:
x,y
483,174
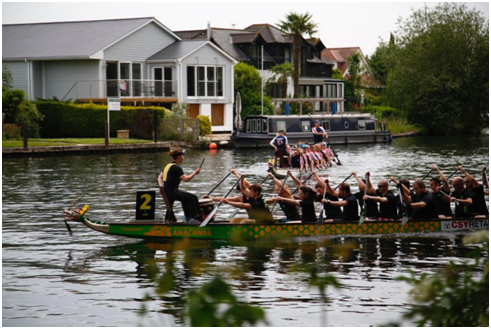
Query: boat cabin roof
x,y
313,117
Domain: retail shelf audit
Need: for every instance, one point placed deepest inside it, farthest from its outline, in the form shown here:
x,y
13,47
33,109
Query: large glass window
x,y
206,80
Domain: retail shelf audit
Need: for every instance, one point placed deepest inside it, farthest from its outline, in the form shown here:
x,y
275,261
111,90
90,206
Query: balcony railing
x,y
124,88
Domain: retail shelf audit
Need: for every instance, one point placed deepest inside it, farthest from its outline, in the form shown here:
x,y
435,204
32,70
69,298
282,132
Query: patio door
x,y
162,77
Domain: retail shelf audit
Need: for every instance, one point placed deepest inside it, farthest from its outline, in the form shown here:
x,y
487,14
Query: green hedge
x,y
63,119
384,112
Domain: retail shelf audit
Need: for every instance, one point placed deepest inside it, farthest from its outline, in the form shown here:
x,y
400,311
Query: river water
x,y
90,279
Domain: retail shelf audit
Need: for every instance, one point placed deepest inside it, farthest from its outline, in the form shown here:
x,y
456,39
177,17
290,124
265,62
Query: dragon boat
x,y
223,230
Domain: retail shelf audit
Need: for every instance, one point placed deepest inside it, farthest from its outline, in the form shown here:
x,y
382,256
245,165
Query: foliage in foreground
x,y
457,295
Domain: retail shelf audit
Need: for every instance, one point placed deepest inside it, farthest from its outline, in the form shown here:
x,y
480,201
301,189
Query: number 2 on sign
x,y
145,205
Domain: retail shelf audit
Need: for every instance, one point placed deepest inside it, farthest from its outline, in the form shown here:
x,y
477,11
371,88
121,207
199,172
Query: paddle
x,y
321,215
209,217
424,178
306,179
486,176
364,209
343,182
335,154
281,189
201,165
404,219
232,215
448,196
224,178
448,178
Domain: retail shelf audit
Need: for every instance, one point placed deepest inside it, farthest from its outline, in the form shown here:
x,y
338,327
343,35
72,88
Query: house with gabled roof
x,y
139,60
341,57
245,46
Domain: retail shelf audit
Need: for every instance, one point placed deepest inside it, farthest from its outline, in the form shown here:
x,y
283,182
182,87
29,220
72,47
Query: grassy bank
x,y
70,142
401,126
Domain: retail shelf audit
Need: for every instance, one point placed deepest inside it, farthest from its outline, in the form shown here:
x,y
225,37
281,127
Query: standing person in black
x,y
372,206
318,132
349,203
386,199
171,177
330,211
422,202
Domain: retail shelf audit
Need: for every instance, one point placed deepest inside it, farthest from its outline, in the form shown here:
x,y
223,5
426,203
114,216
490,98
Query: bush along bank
x,y
66,119
394,118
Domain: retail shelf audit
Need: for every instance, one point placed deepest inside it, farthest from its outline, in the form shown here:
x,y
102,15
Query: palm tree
x,y
281,73
297,25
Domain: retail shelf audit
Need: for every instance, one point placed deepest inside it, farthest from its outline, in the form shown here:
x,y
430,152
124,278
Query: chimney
x,y
208,31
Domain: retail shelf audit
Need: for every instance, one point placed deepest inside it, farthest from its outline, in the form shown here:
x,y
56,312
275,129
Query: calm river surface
x,y
89,279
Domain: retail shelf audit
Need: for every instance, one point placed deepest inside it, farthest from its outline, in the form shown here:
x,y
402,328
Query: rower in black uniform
x,y
171,177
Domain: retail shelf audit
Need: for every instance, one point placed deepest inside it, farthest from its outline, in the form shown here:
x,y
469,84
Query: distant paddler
x,y
318,132
171,177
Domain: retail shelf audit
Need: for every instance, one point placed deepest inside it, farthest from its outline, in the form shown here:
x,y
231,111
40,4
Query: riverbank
x,y
97,146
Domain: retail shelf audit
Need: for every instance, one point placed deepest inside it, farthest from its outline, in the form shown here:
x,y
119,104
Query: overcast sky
x,y
339,24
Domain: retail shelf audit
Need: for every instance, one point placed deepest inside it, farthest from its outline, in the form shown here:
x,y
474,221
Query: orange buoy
x,y
212,146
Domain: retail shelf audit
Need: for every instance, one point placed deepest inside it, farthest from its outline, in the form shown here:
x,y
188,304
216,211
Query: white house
x,y
139,60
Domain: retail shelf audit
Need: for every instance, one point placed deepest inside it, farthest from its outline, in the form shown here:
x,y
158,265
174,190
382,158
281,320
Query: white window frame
x,y
206,81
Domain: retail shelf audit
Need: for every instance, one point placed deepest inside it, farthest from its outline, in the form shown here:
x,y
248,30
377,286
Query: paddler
x,y
171,177
318,132
281,147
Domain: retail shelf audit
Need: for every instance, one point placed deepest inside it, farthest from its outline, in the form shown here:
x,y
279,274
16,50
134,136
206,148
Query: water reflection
x,y
91,279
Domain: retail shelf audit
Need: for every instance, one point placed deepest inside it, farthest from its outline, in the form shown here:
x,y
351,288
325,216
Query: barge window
x,y
281,125
258,125
305,125
361,125
326,125
248,126
265,125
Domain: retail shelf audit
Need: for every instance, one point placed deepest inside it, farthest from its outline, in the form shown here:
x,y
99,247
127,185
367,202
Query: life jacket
x,y
166,170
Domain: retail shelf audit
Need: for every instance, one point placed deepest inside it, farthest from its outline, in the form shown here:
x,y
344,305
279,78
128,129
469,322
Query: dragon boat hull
x,y
225,230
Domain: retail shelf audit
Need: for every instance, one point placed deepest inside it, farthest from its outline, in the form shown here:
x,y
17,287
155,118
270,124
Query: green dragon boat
x,y
223,230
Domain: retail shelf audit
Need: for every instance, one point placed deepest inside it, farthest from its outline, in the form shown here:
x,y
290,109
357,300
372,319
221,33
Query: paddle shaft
x,y
232,215
215,210
334,152
281,189
448,196
306,179
424,177
343,182
404,219
363,211
224,178
322,210
201,165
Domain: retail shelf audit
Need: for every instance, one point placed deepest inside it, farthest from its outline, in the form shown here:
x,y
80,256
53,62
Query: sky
x,y
345,24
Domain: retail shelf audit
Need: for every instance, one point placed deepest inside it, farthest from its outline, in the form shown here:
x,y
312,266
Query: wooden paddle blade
x,y
209,217
404,220
362,218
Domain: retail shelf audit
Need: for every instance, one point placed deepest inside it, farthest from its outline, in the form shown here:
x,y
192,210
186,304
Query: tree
x,y
7,80
381,61
354,79
297,25
21,111
281,74
440,72
247,82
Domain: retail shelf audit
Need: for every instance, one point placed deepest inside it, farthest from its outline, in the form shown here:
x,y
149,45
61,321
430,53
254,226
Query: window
x,y
326,125
305,125
361,124
205,81
281,125
248,126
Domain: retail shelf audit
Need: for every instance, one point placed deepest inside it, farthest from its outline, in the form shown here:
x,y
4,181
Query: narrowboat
x,y
259,130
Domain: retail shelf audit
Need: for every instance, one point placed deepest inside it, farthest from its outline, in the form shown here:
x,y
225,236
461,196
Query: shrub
x,y
204,125
64,119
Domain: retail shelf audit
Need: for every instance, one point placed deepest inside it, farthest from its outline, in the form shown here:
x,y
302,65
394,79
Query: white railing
x,y
93,89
